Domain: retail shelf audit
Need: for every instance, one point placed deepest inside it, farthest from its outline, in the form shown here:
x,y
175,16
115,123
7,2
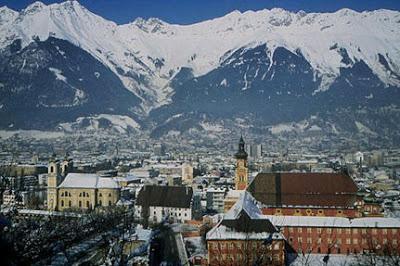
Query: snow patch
x,y
363,129
58,74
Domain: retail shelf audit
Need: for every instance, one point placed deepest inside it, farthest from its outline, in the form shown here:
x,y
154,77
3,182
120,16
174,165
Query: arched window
x,y
51,169
69,204
80,204
62,194
87,204
80,194
62,203
109,203
109,195
100,195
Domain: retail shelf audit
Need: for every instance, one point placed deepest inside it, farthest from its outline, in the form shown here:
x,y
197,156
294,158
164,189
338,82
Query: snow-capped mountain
x,y
268,61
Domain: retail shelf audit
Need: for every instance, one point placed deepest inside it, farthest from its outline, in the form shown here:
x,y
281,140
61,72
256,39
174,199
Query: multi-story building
x,y
307,194
215,199
187,173
78,191
156,203
245,237
339,235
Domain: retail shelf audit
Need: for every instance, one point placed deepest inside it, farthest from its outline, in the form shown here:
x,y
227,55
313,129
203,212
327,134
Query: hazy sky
x,y
190,11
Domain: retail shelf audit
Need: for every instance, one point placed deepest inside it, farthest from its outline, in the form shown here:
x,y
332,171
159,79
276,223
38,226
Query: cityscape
x,y
227,140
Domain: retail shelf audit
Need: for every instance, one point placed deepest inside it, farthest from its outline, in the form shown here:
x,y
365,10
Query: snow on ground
x,y
364,129
289,127
137,46
58,74
35,134
212,127
120,123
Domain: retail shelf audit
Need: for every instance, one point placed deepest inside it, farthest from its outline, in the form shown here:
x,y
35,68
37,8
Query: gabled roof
x,y
244,221
304,189
246,204
165,196
79,180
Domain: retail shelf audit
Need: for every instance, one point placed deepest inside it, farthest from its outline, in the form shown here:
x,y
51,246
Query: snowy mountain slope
x,y
146,54
67,67
53,81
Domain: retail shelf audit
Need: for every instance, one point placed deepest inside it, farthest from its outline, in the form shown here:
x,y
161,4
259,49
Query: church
x,y
66,190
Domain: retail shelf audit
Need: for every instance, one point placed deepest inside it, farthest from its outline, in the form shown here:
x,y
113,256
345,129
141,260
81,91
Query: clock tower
x,y
241,175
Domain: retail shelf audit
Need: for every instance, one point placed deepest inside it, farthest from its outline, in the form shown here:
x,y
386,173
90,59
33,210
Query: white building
x,y
215,199
156,203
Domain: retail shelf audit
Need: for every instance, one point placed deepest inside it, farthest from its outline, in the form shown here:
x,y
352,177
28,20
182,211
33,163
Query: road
x,y
163,248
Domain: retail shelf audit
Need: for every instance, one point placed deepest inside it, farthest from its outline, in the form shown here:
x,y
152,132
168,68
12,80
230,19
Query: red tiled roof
x,y
304,189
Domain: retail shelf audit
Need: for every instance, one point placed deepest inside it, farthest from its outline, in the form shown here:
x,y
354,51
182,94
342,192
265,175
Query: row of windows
x,y
346,230
308,211
172,213
338,250
101,195
348,241
66,194
240,245
240,257
87,203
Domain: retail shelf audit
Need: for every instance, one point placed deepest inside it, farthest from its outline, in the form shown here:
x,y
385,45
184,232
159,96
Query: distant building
x,y
11,198
155,203
254,150
159,149
187,173
215,199
231,198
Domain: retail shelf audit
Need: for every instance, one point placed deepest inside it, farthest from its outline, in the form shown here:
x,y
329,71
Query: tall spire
x,y
241,153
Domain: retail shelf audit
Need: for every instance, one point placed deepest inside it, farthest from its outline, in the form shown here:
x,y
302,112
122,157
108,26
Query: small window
x,y
51,169
62,203
100,202
109,203
87,204
100,195
80,204
109,195
69,204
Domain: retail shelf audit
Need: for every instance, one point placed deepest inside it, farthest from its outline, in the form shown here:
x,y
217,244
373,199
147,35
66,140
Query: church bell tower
x,y
53,180
241,175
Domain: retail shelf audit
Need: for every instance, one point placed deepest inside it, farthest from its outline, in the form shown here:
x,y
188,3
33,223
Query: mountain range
x,y
63,67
